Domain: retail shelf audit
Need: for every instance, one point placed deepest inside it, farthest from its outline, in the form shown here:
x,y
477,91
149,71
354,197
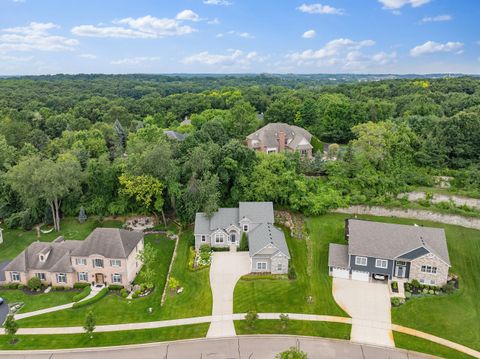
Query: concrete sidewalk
x,y
93,293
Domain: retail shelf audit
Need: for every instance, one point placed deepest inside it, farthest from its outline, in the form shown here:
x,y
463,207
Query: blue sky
x,y
239,36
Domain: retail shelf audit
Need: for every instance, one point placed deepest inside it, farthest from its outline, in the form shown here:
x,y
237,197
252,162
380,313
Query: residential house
x,y
395,251
268,249
106,256
280,137
174,135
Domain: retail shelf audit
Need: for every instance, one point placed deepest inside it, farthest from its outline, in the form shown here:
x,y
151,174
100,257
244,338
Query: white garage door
x,y
340,273
358,275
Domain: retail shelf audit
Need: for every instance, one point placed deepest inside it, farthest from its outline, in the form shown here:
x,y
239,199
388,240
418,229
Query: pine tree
x,y
90,323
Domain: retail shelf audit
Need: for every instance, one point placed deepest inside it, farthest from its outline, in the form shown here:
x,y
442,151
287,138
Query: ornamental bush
x,y
83,294
243,247
34,283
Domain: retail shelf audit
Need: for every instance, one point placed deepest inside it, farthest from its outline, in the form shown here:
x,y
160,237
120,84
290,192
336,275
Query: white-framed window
x,y
15,276
116,278
428,269
61,278
81,261
381,263
83,276
262,265
203,238
245,227
218,238
115,263
279,267
98,263
42,258
361,261
41,276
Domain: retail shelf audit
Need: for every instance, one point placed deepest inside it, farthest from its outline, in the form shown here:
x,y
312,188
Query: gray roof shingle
x,y
268,134
257,212
389,241
338,255
265,234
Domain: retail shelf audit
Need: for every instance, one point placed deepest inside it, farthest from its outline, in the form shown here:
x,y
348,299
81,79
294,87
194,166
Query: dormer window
x,y
42,258
245,227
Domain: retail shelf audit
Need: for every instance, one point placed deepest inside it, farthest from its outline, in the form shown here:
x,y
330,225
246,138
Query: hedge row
x,y
83,294
92,300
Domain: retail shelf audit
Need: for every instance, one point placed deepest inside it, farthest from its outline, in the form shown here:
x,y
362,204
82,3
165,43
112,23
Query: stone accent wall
x,y
429,259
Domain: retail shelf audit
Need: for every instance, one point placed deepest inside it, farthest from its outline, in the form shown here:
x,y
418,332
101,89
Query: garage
x,y
361,276
340,273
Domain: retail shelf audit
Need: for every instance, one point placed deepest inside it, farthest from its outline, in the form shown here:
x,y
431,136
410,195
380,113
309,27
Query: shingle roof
x,y
257,212
338,255
268,134
202,224
223,218
58,259
265,234
109,242
174,135
389,241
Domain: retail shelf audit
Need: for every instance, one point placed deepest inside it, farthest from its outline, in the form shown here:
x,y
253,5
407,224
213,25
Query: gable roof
x,y
257,212
264,235
268,134
174,135
390,241
109,242
58,259
223,218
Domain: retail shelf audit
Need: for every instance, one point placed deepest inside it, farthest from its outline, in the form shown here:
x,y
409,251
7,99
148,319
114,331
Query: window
x,y
361,261
81,261
98,262
15,276
83,276
42,258
115,263
41,276
245,227
428,269
381,263
61,278
204,238
261,265
218,238
432,281
279,267
116,278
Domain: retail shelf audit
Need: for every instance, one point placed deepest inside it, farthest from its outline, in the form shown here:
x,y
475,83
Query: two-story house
x,y
268,249
106,256
392,251
280,137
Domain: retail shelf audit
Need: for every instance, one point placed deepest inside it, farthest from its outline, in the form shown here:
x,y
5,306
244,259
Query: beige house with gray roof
x,y
106,256
280,137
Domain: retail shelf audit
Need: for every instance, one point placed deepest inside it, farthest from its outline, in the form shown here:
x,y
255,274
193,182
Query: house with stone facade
x,y
281,137
106,256
394,251
268,248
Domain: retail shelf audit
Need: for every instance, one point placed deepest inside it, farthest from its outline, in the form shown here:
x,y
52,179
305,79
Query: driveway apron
x,y
368,303
225,270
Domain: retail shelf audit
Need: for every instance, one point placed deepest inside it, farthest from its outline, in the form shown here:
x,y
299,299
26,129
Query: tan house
x,y
280,137
106,256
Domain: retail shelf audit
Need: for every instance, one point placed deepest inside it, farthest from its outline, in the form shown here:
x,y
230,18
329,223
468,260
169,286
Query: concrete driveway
x,y
225,270
368,303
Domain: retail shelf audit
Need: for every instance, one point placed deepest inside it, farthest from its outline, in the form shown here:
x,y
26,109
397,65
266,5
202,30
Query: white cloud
x,y
88,56
437,18
146,27
187,15
234,58
243,34
310,34
217,2
35,36
397,4
16,58
331,50
18,1
320,9
134,60
431,47
215,21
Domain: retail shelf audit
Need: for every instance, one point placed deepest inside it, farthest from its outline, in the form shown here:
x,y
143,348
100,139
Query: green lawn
x,y
59,341
409,342
296,327
290,296
37,301
196,299
16,240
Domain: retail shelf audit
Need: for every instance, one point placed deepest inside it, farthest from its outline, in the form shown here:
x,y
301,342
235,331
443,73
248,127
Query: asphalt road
x,y
246,347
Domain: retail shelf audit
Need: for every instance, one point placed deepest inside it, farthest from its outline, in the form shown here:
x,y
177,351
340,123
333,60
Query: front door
x,y
400,271
99,278
233,238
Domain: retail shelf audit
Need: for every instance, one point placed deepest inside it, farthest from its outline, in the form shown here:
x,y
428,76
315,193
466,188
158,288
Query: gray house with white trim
x,y
267,245
392,250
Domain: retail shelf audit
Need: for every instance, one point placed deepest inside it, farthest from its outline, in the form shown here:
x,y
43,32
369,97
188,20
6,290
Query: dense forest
x,y
98,142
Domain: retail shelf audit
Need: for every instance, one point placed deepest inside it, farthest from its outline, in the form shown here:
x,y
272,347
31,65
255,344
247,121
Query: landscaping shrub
x,y
115,287
396,301
58,287
408,295
251,318
220,249
292,273
21,286
81,285
124,293
34,283
11,286
83,294
136,293
255,276
95,299
448,288
243,247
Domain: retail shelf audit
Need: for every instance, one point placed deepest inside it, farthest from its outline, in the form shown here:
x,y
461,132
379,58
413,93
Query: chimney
x,y
281,141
